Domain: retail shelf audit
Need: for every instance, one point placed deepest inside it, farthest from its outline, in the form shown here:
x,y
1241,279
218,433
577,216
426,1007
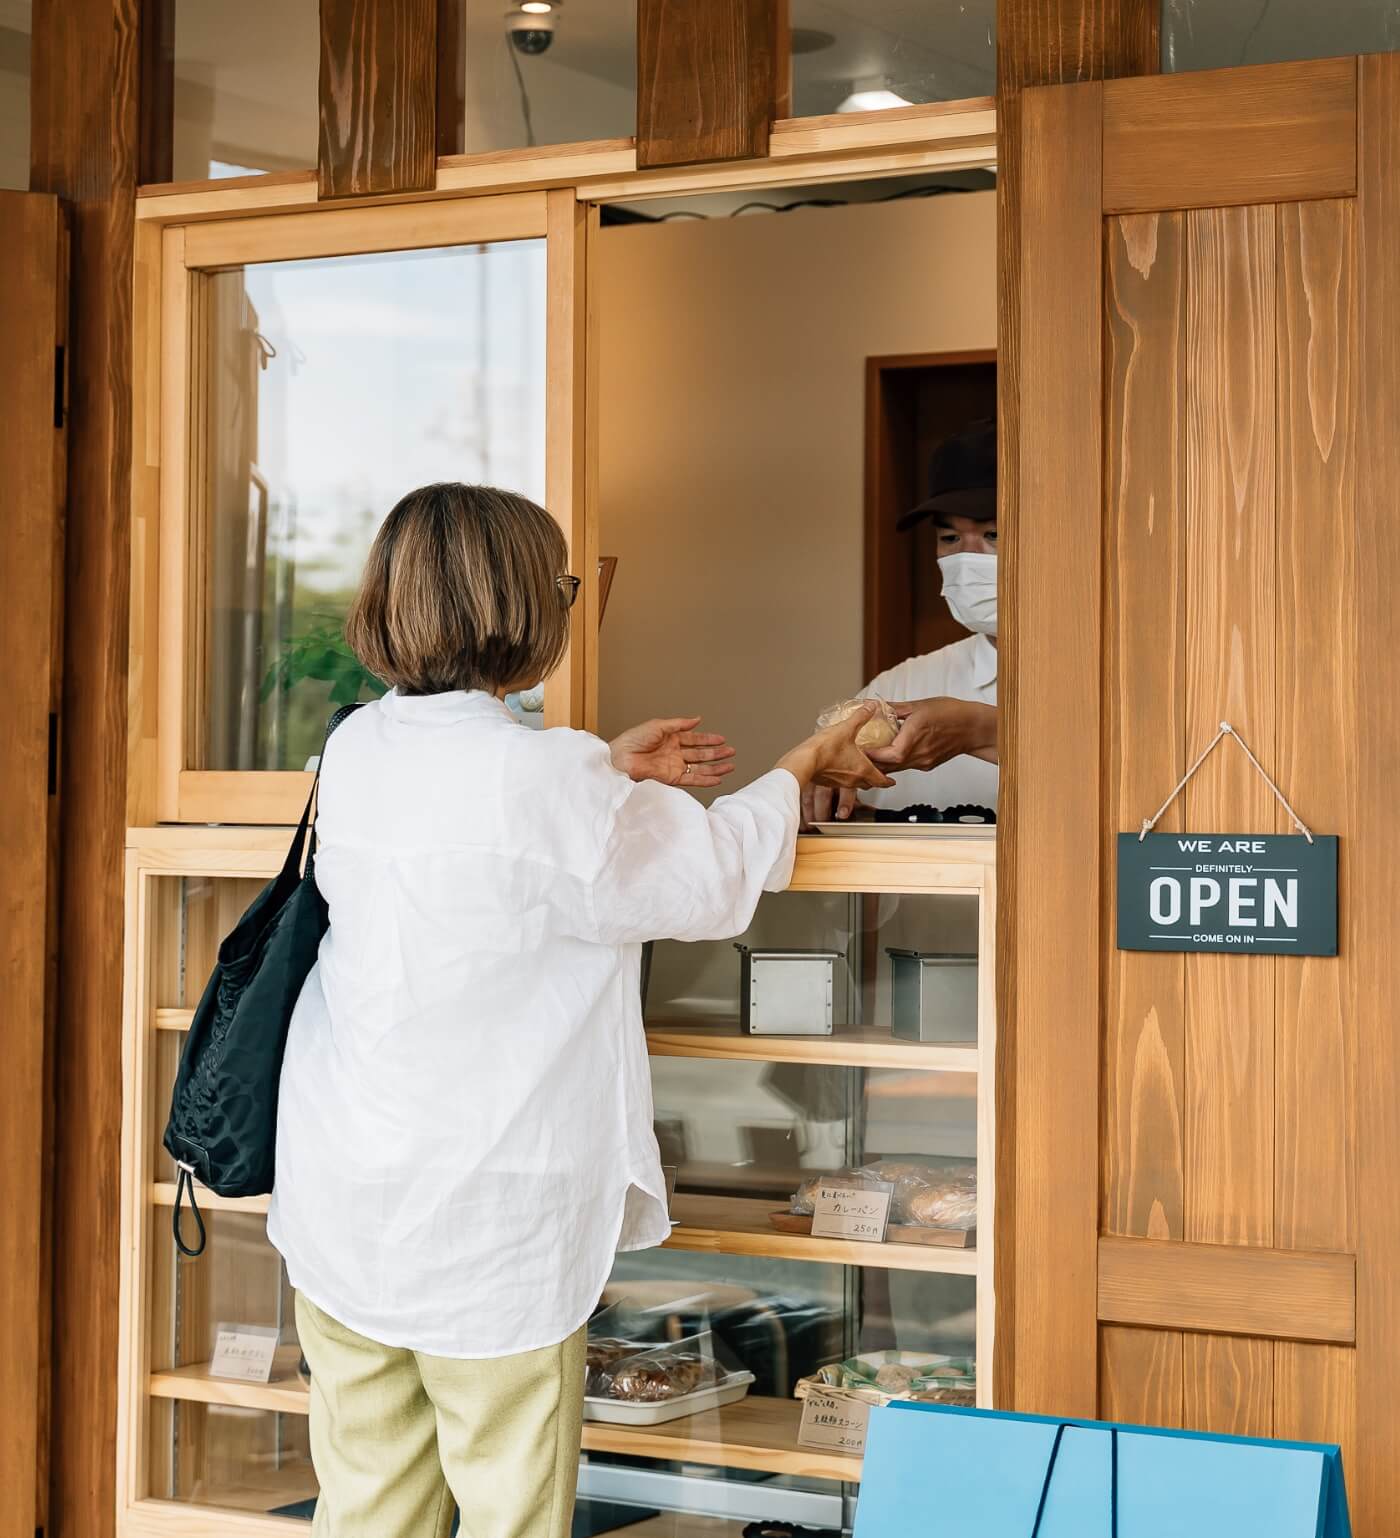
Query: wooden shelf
x,y
847,1046
755,1433
714,1225
729,1225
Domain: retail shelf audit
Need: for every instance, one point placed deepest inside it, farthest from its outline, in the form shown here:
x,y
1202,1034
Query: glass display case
x,y
888,1072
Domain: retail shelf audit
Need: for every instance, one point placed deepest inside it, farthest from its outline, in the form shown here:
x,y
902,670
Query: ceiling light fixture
x,y
537,7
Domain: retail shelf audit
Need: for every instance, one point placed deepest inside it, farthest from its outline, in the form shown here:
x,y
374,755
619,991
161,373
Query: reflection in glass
x,y
1220,34
582,85
245,87
334,387
849,57
16,20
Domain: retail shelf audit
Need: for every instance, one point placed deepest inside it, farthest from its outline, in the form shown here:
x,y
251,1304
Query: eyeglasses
x,y
568,589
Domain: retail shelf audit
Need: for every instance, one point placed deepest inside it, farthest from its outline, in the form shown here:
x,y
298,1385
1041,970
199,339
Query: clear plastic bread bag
x,y
878,732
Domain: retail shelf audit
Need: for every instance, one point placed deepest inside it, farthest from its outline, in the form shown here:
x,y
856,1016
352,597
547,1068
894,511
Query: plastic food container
x,y
627,1412
934,996
786,993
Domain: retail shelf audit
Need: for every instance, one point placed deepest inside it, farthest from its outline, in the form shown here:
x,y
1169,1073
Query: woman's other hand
x,y
673,752
831,757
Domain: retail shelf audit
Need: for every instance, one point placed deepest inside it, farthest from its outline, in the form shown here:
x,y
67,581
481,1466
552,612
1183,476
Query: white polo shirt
x,y
966,670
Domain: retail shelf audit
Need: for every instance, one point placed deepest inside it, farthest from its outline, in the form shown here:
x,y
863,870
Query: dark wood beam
x,y
1039,42
84,141
155,161
379,94
708,79
451,77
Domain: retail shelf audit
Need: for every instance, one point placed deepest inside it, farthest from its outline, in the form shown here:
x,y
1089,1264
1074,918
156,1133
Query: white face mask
x,y
970,587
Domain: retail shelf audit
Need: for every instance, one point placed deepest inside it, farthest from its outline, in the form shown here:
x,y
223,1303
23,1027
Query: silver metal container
x,y
786,993
934,996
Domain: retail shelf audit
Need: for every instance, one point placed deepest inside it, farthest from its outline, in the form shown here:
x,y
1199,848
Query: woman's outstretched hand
x,y
673,752
831,757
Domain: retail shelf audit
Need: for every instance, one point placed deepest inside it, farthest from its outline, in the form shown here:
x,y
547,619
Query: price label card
x,y
833,1422
847,1210
244,1352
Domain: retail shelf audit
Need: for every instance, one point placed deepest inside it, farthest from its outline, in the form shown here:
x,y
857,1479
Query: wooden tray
x,y
896,1233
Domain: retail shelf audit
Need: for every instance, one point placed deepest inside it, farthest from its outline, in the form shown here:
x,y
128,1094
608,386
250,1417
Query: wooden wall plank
x,y
1144,753
33,326
1230,553
708,79
1274,131
1053,1199
1315,1396
1230,556
84,145
378,90
1228,1385
1235,1289
1372,871
1037,44
1140,1376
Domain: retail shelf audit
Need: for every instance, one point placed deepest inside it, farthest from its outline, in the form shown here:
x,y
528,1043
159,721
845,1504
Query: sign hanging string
x,y
1226,730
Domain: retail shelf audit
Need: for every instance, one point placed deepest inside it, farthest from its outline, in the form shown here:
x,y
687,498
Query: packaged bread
x,y
927,1195
602,1356
649,1377
878,732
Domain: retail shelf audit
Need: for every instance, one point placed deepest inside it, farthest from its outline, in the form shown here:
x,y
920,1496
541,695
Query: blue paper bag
x,y
936,1471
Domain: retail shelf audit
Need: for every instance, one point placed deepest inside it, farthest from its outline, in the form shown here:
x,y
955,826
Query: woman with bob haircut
x,y
465,1126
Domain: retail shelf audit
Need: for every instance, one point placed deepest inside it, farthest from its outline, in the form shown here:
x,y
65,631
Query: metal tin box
x,y
786,993
934,996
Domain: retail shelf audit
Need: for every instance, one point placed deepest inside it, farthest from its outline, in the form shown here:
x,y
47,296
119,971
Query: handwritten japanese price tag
x,y
847,1210
244,1352
829,1421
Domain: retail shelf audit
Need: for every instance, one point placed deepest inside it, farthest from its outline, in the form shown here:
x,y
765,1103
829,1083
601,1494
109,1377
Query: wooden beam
x,y
708,77
156,150
1038,43
451,77
1228,1289
84,140
379,83
1373,876
33,337
1167,144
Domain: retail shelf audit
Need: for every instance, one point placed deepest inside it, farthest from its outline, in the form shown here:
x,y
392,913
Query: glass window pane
x,y
851,57
1218,34
334,387
246,92
15,26
581,84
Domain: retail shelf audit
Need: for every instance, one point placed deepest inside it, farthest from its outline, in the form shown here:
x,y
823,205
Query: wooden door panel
x,y
1315,1395
1228,1383
1140,1375
1318,658
1230,640
1144,1004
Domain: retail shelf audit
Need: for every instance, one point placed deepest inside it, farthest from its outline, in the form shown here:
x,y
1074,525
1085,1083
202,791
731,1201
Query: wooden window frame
x,y
184,791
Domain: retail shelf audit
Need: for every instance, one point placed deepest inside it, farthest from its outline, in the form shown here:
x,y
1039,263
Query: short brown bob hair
x,y
461,591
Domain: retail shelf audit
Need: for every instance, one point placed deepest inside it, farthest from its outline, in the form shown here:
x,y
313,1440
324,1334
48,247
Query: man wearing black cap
x,y
946,754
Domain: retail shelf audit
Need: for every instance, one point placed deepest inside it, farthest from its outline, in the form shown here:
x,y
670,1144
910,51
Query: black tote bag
x,y
222,1129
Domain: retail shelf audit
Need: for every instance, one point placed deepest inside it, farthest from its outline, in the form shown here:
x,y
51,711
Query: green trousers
x,y
400,1439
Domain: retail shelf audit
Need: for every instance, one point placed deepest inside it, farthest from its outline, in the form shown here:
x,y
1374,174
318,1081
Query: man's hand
x,y
933,731
673,752
824,803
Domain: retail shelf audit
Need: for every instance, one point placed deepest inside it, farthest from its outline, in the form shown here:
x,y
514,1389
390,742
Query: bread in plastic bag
x,y
878,732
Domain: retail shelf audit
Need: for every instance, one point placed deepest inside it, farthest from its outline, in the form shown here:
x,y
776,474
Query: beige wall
x,y
732,445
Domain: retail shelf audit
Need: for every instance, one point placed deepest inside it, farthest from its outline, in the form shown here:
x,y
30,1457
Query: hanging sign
x,y
1273,894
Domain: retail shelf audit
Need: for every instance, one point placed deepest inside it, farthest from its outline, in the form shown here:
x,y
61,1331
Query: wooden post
x,y
1039,42
708,78
33,337
379,93
84,148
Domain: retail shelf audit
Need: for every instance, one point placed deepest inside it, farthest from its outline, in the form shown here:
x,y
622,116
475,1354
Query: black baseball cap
x,y
962,477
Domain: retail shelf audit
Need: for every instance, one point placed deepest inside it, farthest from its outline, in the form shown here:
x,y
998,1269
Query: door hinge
x,y
53,752
60,395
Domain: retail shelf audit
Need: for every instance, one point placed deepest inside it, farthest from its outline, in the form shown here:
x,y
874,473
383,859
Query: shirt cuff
x,y
780,790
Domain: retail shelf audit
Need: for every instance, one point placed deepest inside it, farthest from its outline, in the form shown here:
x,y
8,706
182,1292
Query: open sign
x,y
1269,894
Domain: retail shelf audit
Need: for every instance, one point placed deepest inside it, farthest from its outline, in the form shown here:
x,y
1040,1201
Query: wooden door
x,y
33,402
1207,1148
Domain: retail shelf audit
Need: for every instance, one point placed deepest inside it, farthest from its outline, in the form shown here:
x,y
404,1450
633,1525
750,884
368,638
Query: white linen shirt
x,y
464,1134
965,670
